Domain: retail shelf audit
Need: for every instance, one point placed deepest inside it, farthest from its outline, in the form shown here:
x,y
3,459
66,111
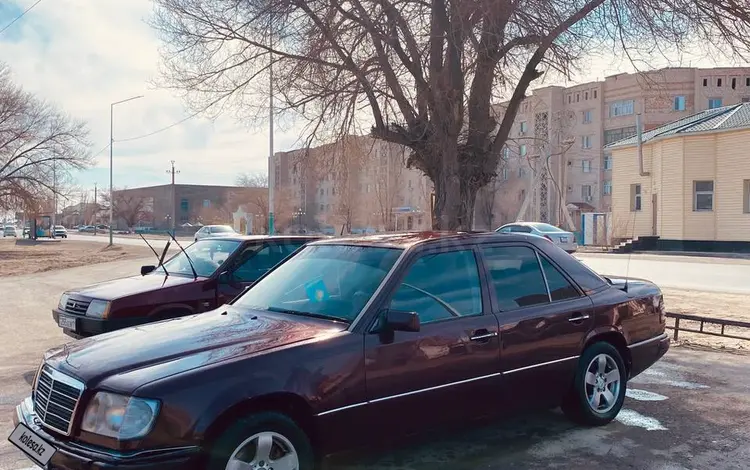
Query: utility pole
x,y
271,163
96,209
173,172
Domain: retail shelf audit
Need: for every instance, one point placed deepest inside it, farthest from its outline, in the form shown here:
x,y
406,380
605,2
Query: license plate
x,y
35,448
67,322
563,239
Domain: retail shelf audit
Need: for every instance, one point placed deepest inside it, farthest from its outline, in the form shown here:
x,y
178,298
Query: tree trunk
x,y
455,198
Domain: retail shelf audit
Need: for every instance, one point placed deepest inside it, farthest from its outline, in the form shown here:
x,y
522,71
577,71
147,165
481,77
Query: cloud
x,y
83,55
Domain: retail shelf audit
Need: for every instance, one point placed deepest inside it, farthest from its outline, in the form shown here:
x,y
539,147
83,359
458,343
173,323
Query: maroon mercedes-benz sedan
x,y
389,334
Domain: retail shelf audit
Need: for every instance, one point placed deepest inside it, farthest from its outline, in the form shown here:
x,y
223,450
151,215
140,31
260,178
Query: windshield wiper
x,y
307,314
159,258
195,274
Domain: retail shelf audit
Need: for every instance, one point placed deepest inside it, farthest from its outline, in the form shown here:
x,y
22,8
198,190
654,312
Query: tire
x,y
577,405
240,440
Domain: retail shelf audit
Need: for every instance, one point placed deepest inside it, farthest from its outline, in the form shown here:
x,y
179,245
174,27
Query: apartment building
x,y
559,134
358,183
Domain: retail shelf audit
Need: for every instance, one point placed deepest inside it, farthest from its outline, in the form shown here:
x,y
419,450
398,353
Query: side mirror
x,y
228,278
399,320
147,269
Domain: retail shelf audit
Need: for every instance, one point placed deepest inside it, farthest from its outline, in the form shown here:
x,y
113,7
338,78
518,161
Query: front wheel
x,y
598,390
266,440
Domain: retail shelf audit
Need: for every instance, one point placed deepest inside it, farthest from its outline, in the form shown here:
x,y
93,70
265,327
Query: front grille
x,y
77,307
55,398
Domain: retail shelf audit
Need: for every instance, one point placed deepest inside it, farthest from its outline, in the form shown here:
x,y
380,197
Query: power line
x,y
159,130
100,151
19,16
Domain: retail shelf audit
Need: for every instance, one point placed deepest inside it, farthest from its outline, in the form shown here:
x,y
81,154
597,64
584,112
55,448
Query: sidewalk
x,y
606,251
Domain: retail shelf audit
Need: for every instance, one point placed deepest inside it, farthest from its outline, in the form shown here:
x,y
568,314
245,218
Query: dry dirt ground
x,y
709,304
28,257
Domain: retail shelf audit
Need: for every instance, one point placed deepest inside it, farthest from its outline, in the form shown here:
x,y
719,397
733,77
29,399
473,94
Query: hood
x,y
127,286
160,349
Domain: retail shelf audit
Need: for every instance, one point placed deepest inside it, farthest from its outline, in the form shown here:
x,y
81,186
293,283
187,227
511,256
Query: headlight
x,y
63,301
120,417
98,309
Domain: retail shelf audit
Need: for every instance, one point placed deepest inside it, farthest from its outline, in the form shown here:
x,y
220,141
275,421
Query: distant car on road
x,y
208,274
9,231
60,232
563,239
214,231
398,333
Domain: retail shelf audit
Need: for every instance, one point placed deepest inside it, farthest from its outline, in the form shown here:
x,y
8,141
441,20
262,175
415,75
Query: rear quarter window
x,y
585,277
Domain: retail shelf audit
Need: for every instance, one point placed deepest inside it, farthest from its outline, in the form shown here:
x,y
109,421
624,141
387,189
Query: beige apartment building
x,y
556,153
358,184
693,190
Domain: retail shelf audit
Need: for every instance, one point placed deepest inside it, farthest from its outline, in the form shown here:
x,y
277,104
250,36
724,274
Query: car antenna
x,y
195,274
159,258
630,254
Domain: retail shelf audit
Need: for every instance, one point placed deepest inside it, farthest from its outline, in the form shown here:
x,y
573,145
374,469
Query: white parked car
x,y
563,239
9,231
60,232
214,231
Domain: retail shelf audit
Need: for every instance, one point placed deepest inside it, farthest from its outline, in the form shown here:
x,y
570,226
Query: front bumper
x,y
87,326
74,456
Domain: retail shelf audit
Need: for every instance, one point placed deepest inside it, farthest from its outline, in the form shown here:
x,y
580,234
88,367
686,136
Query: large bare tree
x,y
420,73
39,147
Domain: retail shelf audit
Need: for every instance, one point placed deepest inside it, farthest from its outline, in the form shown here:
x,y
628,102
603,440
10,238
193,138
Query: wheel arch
x,y
287,403
616,339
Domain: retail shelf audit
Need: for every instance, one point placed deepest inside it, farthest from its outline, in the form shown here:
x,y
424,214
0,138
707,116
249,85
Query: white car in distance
x,y
208,231
563,239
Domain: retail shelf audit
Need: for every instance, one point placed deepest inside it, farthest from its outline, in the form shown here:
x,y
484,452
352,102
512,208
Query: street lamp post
x,y
111,144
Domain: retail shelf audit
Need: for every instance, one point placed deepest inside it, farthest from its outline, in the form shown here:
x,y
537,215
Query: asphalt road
x,y
688,412
679,272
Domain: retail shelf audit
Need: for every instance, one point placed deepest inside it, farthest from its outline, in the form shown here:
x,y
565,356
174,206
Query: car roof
x,y
406,240
243,238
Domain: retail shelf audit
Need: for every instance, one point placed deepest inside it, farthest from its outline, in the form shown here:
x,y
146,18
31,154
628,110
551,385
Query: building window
x,y
506,153
333,191
613,135
578,97
206,203
747,81
607,187
594,94
585,141
703,199
587,117
705,82
504,173
635,197
714,103
570,99
321,191
521,172
523,127
608,162
734,83
184,205
718,82
586,95
522,150
746,99
586,166
586,192
746,196
679,103
322,207
622,108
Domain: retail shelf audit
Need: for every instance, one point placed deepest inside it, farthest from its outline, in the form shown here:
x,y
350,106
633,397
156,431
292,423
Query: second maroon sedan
x,y
207,274
345,343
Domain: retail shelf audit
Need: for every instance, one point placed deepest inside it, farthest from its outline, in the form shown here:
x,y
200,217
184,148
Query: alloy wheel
x,y
603,381
264,451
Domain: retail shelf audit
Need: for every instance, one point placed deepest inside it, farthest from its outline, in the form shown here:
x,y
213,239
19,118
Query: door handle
x,y
578,317
482,335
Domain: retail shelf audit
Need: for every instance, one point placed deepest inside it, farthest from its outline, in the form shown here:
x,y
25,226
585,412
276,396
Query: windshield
x,y
206,255
331,281
546,228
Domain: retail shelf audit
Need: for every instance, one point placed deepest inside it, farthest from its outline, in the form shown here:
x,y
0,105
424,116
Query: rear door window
x,y
516,276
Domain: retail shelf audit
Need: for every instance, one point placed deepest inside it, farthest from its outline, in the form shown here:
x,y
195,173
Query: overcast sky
x,y
83,55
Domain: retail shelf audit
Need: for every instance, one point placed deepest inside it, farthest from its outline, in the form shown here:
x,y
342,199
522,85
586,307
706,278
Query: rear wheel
x,y
598,390
262,441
